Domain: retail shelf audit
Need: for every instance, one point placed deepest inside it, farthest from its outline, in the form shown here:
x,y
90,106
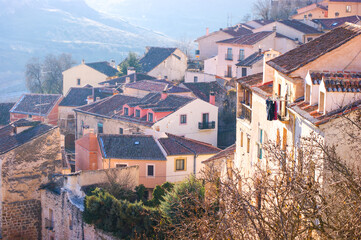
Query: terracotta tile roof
x,y
331,23
4,113
254,82
341,81
176,145
10,141
226,153
107,107
156,86
154,57
308,52
311,114
300,26
237,31
250,60
78,96
263,22
103,67
136,147
132,78
248,39
36,104
203,89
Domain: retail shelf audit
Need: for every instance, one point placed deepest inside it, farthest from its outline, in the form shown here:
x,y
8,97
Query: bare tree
x,y
262,9
46,77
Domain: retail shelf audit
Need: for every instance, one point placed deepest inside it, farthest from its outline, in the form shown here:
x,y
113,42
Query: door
x,y
205,118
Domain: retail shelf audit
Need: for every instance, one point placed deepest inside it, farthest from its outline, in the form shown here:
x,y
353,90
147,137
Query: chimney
x,y
130,70
90,99
83,61
164,95
259,50
212,98
207,31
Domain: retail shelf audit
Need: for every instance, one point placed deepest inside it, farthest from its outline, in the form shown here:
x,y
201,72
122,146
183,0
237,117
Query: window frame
x,y
150,117
180,119
241,55
78,81
348,8
184,164
126,111
121,131
195,79
102,127
136,113
147,171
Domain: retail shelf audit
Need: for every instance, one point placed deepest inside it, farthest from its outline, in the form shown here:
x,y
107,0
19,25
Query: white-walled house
x,y
207,44
185,116
87,74
164,63
292,29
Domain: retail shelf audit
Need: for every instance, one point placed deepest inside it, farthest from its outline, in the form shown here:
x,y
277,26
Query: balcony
x,y
245,112
229,57
282,112
207,125
49,224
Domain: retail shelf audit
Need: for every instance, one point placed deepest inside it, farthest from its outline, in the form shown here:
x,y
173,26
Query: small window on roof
x,y
126,111
137,113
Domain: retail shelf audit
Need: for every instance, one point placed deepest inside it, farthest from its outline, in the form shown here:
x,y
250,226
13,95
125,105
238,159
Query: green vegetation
x,y
130,61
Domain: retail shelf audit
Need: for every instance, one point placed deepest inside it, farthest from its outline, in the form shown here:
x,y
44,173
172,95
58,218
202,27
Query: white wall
x,y
172,67
210,65
207,44
87,75
202,77
194,110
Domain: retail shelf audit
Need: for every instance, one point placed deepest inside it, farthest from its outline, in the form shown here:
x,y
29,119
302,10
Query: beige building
x,y
340,8
164,63
310,86
87,74
315,10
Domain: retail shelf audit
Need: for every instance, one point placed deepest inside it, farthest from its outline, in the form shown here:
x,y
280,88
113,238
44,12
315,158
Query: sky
x,y
180,19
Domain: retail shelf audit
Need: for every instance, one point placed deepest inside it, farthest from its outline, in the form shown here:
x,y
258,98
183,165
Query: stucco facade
x,y
343,8
81,75
173,68
207,45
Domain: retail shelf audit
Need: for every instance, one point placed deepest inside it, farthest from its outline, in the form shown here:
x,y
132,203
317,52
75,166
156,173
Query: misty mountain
x,y
37,27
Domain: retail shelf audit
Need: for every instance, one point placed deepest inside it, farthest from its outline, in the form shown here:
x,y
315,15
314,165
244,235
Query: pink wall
x,y
86,153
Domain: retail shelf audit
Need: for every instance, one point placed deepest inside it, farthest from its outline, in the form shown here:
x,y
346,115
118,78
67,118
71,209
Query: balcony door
x,y
205,118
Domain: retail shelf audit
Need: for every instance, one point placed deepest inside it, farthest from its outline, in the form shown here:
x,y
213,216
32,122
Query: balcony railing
x,y
228,56
245,112
49,224
207,125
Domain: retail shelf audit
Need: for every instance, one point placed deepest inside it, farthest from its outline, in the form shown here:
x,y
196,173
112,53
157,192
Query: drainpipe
x,y
194,164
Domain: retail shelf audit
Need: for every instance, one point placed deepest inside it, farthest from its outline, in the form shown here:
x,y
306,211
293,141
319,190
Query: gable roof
x,y
154,57
4,113
176,145
137,147
103,67
107,107
300,26
237,30
132,78
225,153
36,104
156,86
251,59
308,52
248,39
202,90
331,23
77,96
254,82
9,141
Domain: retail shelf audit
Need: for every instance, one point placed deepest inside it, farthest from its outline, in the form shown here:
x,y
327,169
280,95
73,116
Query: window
x,y
195,79
183,119
310,15
248,143
309,39
337,14
244,72
78,81
121,130
100,127
348,9
180,164
229,71
30,116
126,111
229,54
150,117
241,54
241,139
137,113
259,144
121,165
205,117
150,170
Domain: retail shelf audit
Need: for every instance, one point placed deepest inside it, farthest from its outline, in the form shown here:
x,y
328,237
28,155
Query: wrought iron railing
x,y
207,125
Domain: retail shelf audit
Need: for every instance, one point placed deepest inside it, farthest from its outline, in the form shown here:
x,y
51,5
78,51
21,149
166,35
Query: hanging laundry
x,y
270,109
275,110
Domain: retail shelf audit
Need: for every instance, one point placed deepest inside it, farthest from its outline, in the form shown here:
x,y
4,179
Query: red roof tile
x,y
248,39
228,152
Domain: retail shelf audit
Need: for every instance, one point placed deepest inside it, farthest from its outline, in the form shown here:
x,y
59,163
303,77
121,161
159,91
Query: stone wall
x,y
21,220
